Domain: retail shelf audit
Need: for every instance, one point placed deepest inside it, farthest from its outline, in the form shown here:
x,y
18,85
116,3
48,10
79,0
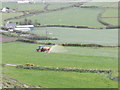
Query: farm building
x,y
10,25
20,27
7,9
24,27
23,1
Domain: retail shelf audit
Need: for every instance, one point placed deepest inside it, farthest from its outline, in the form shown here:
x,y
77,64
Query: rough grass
x,y
72,35
53,79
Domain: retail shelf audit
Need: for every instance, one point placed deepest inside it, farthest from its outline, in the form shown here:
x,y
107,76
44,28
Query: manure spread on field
x,y
57,49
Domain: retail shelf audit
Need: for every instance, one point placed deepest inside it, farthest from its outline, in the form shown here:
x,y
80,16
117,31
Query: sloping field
x,y
111,16
22,53
12,5
5,16
101,4
24,7
110,12
71,35
71,16
113,21
31,7
25,53
54,79
55,5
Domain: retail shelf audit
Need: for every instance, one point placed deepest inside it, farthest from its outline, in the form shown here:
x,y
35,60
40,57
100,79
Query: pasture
x,y
72,35
25,53
24,7
110,12
101,4
111,16
5,16
72,16
112,21
54,79
75,57
55,5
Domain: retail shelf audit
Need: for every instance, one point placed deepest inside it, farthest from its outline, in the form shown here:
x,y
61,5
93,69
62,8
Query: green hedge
x,y
64,69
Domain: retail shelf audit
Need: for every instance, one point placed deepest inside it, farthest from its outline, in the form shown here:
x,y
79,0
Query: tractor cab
x,y
42,49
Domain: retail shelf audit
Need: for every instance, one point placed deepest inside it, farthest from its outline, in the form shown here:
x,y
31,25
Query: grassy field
x,y
31,7
113,21
111,16
21,53
73,56
71,16
102,4
72,35
110,12
12,5
55,5
8,15
53,79
24,7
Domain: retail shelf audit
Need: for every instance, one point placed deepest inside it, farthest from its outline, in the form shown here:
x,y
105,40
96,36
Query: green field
x,y
110,12
73,35
111,16
12,5
75,57
5,16
31,7
112,21
53,79
101,4
55,5
24,7
71,16
21,53
72,56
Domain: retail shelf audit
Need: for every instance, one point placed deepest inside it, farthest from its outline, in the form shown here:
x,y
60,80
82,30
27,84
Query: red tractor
x,y
42,49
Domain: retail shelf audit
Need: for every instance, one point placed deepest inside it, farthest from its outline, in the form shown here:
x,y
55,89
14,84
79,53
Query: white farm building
x,y
20,27
23,1
24,27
